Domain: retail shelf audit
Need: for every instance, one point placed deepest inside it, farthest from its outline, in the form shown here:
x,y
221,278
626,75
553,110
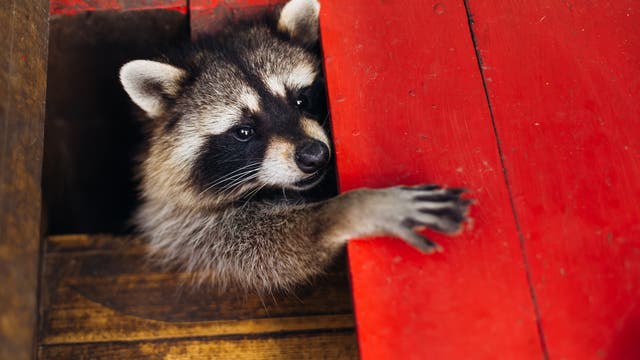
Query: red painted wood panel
x,y
71,7
408,107
564,80
209,16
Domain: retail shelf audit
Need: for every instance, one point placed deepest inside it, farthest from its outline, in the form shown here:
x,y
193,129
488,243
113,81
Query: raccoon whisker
x,y
249,194
232,176
266,310
324,121
237,183
237,177
234,193
252,194
238,160
248,166
273,297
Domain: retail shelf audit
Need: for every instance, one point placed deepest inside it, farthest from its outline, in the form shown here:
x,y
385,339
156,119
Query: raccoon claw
x,y
441,209
420,242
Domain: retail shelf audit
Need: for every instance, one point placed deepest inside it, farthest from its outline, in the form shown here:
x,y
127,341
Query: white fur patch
x,y
217,122
250,100
186,149
299,18
145,81
314,130
301,77
219,119
298,78
276,85
279,167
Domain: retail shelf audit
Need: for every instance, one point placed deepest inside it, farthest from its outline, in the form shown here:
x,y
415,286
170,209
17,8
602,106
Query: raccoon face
x,y
236,113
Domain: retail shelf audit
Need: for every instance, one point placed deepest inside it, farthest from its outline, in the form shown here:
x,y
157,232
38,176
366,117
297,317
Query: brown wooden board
x,y
23,59
295,346
100,295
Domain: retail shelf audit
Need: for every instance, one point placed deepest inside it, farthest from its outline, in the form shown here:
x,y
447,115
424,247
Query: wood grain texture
x,y
23,59
408,107
99,292
336,345
563,79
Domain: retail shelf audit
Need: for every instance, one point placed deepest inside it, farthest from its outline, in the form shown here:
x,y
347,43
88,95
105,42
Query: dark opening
x,y
91,133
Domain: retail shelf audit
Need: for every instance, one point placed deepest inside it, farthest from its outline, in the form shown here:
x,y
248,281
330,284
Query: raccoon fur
x,y
235,136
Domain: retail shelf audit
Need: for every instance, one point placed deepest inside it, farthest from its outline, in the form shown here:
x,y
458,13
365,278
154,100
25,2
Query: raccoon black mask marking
x,y
242,112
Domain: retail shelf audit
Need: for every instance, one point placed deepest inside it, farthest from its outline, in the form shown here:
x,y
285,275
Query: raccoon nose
x,y
312,156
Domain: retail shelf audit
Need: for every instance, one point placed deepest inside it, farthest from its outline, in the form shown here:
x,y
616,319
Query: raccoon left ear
x,y
150,83
299,19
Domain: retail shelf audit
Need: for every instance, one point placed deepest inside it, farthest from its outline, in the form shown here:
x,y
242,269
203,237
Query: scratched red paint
x,y
210,16
564,82
71,7
239,4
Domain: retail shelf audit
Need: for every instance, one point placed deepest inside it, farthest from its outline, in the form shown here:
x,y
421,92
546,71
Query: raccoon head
x,y
235,113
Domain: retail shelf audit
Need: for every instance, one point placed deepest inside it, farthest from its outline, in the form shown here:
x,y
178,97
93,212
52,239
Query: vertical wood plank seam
x,y
38,333
5,141
523,252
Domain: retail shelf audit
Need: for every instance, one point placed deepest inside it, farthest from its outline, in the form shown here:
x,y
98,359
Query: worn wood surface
x,y
408,107
23,59
563,79
100,297
330,345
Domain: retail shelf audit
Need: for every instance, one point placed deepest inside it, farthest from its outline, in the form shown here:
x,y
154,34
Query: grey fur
x,y
224,235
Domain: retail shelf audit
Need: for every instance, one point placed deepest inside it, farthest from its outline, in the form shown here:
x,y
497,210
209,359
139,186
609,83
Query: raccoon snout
x,y
311,156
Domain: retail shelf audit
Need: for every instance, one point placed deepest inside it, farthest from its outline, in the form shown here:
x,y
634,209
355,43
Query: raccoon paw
x,y
406,210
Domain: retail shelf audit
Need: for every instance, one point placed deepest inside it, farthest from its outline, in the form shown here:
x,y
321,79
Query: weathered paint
x,y
563,80
408,107
209,16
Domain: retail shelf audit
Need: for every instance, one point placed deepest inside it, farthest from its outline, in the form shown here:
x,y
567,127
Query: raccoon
x,y
235,138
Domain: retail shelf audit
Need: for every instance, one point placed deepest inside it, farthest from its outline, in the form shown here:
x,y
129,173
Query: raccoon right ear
x,y
299,19
150,83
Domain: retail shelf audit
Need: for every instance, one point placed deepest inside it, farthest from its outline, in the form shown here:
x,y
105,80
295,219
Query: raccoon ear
x,y
299,19
150,83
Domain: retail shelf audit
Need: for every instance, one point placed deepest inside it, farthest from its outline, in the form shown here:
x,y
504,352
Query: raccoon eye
x,y
302,102
244,133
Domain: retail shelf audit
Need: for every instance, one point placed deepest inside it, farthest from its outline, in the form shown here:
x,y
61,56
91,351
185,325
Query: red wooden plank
x,y
71,7
408,107
209,16
563,79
